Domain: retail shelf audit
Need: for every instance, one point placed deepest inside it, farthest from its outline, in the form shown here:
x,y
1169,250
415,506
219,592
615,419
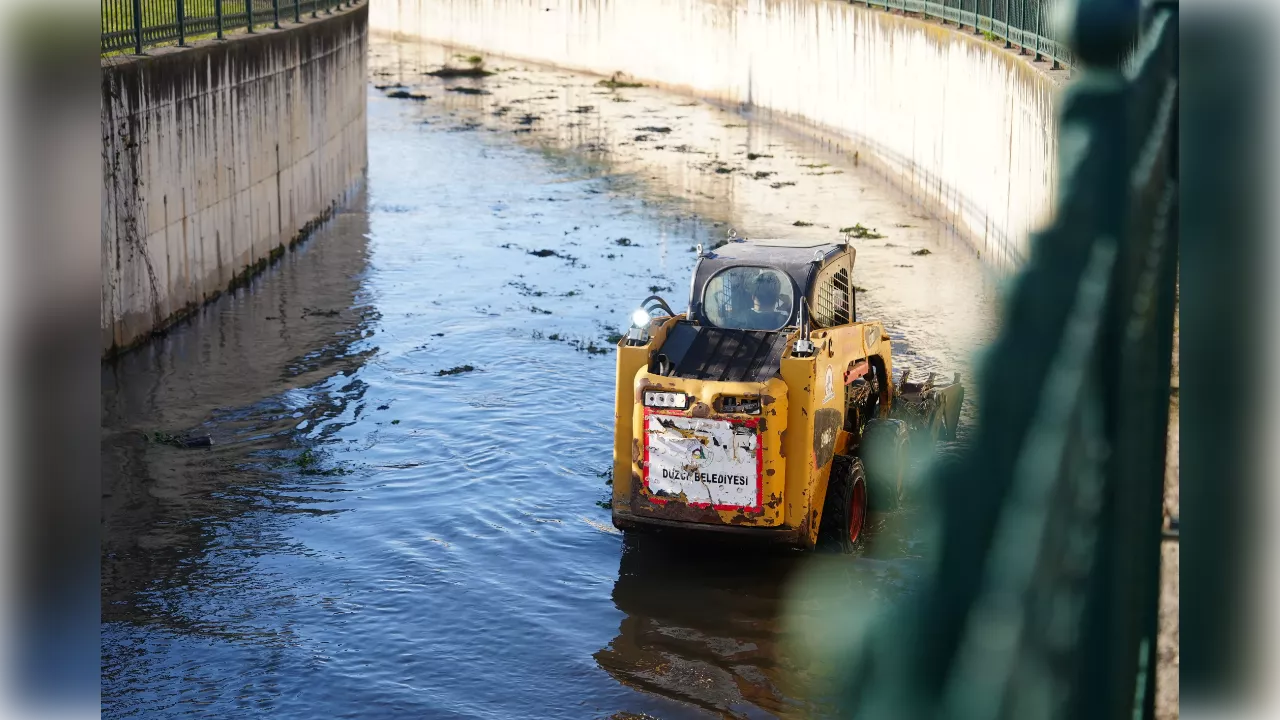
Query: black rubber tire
x,y
836,532
886,454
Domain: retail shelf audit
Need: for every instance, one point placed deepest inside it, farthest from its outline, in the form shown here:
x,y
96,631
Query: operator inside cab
x,y
763,313
748,298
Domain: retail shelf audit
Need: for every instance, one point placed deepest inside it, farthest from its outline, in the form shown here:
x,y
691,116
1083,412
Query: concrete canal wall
x,y
959,124
217,156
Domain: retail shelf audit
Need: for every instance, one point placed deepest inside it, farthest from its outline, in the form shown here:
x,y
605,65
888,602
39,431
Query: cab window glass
x,y
748,298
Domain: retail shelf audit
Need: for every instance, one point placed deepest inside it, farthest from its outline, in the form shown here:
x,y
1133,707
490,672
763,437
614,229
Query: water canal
x,y
411,418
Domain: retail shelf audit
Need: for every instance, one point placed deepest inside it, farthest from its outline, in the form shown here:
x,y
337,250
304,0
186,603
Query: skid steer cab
x,y
768,408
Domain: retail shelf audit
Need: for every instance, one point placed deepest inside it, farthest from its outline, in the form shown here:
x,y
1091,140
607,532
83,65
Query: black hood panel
x,y
721,354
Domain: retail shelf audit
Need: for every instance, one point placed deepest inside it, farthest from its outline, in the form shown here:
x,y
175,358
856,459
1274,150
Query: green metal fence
x,y
1025,24
134,25
1044,602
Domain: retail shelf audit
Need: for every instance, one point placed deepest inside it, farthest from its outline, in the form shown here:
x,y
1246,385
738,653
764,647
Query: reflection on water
x,y
412,416
712,644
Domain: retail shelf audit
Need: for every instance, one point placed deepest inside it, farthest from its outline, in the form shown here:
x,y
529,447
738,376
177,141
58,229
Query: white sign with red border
x,y
714,463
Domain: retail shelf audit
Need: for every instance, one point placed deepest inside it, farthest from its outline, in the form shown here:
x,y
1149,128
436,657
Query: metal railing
x,y
135,25
1025,24
1045,597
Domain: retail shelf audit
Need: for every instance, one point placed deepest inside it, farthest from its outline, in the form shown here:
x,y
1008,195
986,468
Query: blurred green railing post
x,y
248,14
137,27
275,11
1044,599
217,11
1007,44
182,23
1039,27
297,11
315,8
1022,21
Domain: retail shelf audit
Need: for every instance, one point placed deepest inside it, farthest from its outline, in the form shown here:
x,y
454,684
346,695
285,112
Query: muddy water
x,y
411,421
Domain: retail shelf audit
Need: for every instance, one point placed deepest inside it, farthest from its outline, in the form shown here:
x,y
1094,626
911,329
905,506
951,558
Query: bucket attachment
x,y
928,408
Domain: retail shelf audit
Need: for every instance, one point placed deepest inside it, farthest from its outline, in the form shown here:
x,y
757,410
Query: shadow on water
x,y
701,623
706,621
249,372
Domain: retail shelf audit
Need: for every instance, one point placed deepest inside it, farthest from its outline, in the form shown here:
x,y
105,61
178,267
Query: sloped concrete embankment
x,y
219,155
960,125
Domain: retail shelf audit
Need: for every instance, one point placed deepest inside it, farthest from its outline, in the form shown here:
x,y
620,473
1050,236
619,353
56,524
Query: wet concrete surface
x,y
411,415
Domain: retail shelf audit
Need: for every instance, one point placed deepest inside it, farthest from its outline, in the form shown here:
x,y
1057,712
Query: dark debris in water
x,y
859,231
468,90
525,289
405,95
179,441
922,251
779,185
455,370
802,223
551,253
616,82
449,71
625,242
762,174
309,462
757,156
588,346
654,129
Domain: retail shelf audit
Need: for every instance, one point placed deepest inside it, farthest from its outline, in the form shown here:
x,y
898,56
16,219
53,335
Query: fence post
x,y
1007,44
137,27
182,23
248,13
297,11
1022,20
275,12
217,11
315,8
1039,26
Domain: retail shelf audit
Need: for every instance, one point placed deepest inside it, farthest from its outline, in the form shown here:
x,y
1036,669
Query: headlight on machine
x,y
673,400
